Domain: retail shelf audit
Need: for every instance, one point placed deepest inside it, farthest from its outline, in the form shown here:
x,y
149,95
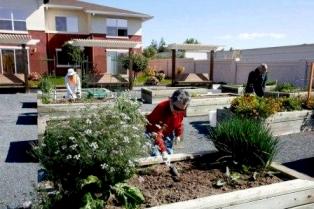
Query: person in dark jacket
x,y
257,81
165,123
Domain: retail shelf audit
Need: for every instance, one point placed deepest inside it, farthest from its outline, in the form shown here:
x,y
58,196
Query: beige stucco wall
x,y
99,25
32,9
51,13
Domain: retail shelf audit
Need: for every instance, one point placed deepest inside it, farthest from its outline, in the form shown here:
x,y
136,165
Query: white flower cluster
x,y
94,145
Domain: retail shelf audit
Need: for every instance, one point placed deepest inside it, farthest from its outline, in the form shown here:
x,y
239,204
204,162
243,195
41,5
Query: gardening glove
x,y
165,157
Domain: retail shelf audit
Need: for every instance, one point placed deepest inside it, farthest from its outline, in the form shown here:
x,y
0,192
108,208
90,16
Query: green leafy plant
x,y
271,82
286,87
130,197
46,86
246,141
103,143
291,104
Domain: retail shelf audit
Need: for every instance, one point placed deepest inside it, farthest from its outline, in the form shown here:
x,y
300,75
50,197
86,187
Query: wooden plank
x,y
307,206
310,83
279,202
290,172
299,191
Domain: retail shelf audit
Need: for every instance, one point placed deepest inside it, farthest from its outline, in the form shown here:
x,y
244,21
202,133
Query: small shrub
x,y
255,107
180,70
152,81
34,76
160,75
286,87
247,141
46,86
291,104
271,82
150,71
103,143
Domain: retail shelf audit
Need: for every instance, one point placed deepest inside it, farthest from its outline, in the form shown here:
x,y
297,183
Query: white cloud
x,y
252,36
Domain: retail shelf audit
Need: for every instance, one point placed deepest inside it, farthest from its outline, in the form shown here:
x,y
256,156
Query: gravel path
x,y
18,172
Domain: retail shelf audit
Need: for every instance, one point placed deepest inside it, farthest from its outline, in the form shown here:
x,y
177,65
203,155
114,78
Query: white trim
x,y
12,47
14,61
62,7
64,32
16,32
121,14
118,50
118,37
1,61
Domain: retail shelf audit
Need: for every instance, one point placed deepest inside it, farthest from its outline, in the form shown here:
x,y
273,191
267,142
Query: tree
x,y
154,45
73,54
191,41
140,63
162,45
149,52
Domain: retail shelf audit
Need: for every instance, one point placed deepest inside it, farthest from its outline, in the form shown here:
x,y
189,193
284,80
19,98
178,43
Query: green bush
x,y
286,87
291,104
246,141
103,142
46,86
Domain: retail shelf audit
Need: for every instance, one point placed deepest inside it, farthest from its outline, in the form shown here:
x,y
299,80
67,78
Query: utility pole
x,y
25,68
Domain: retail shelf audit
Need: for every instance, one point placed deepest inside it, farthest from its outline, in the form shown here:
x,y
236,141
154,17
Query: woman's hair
x,y
181,96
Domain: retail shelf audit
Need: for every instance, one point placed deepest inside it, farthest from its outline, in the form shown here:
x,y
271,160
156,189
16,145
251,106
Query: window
x,y
117,27
14,20
12,61
67,24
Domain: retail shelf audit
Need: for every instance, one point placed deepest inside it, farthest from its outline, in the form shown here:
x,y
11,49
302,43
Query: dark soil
x,y
67,101
197,179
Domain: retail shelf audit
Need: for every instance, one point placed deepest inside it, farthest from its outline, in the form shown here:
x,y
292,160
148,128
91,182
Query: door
x,y
112,67
8,65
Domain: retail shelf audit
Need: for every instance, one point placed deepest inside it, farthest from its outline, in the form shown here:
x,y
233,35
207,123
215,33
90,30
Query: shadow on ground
x,y
21,152
201,126
29,104
27,119
303,166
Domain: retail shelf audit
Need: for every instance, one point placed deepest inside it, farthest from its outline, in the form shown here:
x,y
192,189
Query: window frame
x,y
14,57
74,27
116,27
12,23
62,65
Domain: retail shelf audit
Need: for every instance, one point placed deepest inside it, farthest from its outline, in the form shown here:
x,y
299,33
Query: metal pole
x,y
130,69
310,84
24,66
211,66
173,75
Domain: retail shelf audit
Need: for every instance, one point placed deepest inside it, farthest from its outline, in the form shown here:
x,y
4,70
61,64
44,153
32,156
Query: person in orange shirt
x,y
165,123
73,84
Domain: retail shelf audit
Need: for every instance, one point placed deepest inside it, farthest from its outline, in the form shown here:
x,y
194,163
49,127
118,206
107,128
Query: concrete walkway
x,y
18,129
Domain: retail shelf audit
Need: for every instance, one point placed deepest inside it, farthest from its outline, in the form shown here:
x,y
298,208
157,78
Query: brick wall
x,y
38,53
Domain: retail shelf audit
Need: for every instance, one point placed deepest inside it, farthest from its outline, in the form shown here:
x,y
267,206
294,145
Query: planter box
x,y
201,105
154,95
302,94
239,89
293,194
281,123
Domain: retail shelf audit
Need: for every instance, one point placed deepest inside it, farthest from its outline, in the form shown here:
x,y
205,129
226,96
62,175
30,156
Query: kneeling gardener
x,y
165,123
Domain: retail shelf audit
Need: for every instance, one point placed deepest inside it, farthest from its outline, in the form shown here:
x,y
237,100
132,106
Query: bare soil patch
x,y
197,179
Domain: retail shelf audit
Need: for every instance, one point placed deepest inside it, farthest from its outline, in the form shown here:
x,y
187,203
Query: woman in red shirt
x,y
165,122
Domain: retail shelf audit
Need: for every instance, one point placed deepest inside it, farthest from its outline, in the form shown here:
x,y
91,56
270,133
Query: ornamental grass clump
x,y
103,144
248,142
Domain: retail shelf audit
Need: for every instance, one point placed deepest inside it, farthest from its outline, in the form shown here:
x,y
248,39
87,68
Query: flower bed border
x,y
290,193
281,123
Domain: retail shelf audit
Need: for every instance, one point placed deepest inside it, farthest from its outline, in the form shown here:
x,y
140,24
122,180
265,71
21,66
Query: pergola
x,y
23,40
111,44
192,47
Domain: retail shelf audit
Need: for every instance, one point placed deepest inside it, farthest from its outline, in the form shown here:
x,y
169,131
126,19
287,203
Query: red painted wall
x,y
38,53
99,56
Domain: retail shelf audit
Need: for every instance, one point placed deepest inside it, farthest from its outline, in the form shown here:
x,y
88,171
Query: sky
x,y
240,24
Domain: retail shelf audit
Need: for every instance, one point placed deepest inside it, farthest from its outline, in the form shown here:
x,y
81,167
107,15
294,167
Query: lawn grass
x,y
56,80
140,80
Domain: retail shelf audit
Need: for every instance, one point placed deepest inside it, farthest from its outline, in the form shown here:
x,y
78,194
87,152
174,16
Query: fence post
x,y
310,84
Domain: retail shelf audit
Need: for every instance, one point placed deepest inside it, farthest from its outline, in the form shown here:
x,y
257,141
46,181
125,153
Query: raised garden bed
x,y
202,104
281,123
197,186
239,89
302,94
155,94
